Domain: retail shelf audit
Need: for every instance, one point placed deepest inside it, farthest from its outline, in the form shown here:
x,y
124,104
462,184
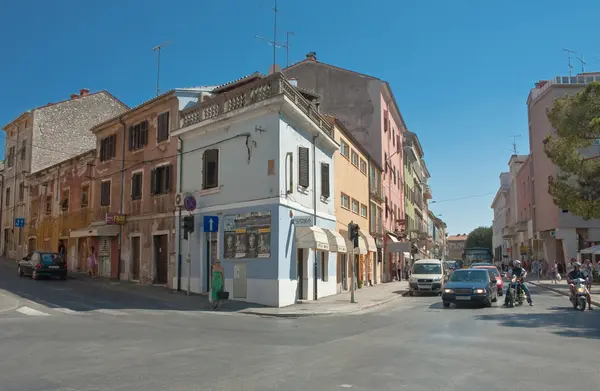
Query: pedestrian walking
x,y
554,271
92,263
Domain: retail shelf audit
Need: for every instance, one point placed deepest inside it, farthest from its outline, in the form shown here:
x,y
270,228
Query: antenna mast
x,y
158,49
570,56
287,47
276,45
514,143
580,58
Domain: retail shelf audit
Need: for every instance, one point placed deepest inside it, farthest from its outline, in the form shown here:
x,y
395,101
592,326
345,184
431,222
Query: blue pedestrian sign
x,y
211,223
19,222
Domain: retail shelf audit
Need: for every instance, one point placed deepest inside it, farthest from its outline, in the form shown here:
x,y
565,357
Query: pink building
x,y
366,106
559,233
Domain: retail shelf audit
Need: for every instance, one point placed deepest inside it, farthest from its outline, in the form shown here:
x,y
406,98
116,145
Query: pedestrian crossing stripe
x,y
31,312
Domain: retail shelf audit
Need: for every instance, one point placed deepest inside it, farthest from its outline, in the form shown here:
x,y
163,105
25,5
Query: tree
x,y
480,237
576,119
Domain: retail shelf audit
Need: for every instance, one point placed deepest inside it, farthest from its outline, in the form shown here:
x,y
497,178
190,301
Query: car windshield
x,y
48,258
427,268
492,270
469,276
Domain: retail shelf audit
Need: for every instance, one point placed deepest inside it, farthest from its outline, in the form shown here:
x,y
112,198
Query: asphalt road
x,y
410,344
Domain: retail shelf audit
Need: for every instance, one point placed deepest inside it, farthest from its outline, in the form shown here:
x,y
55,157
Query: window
x,y
48,204
363,210
363,166
210,169
354,158
138,136
7,201
324,271
345,201
325,180
385,120
108,148
65,200
344,149
385,159
85,191
21,191
303,167
136,186
105,193
10,159
161,180
23,149
162,132
34,207
355,206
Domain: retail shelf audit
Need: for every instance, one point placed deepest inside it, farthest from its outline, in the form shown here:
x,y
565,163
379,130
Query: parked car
x,y
470,286
42,264
427,276
497,276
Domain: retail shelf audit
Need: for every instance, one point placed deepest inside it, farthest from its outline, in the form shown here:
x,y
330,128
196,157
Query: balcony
x,y
377,228
377,194
249,94
508,232
427,192
521,226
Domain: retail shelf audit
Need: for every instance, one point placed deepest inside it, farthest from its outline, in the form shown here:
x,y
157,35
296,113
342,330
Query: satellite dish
x,y
274,69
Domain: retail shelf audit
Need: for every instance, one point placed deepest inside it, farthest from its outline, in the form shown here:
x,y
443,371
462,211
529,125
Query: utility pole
x,y
158,49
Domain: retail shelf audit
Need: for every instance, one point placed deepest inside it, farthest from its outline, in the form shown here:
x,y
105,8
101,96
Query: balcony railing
x,y
249,94
521,226
427,192
377,228
508,232
377,193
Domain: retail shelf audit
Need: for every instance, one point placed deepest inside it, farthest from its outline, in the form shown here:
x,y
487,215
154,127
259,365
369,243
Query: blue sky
x,y
460,70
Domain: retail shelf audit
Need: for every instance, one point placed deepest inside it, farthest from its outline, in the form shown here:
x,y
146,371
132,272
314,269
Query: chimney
x,y
312,56
74,96
84,92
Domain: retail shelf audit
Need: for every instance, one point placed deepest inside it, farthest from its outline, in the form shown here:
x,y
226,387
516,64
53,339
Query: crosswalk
x,y
58,311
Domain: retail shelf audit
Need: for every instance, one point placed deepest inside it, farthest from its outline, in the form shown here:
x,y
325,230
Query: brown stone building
x,y
456,245
133,190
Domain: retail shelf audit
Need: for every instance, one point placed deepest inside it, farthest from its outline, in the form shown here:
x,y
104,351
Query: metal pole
x,y
158,75
275,37
189,262
209,268
352,278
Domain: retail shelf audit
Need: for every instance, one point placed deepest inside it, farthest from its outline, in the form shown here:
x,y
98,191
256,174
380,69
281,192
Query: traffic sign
x,y
211,223
189,202
19,222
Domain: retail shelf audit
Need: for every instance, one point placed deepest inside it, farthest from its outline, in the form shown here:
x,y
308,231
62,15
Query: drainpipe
x,y
314,148
121,206
179,265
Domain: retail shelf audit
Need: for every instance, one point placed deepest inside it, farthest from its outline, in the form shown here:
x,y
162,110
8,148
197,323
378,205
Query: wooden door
x,y
161,259
135,258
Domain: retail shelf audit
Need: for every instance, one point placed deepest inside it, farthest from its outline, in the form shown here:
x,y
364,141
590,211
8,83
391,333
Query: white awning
x,y
590,250
370,241
362,246
337,243
392,238
406,255
311,237
96,230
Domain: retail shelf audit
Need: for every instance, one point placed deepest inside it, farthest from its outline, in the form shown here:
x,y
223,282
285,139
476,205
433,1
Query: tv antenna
x,y
514,143
570,56
287,47
158,49
580,58
273,42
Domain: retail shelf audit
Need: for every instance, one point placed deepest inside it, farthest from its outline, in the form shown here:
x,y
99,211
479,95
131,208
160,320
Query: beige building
x,y
351,170
40,138
456,245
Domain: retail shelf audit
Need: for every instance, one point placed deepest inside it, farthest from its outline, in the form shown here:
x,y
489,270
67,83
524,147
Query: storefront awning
x,y
392,238
96,230
337,243
370,242
311,237
398,247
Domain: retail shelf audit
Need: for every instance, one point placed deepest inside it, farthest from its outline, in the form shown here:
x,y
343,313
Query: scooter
x,y
514,293
580,297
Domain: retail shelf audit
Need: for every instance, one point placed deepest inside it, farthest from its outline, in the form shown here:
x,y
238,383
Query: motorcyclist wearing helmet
x,y
575,274
519,272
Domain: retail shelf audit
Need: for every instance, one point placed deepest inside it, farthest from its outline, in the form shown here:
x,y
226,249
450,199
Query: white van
x,y
428,276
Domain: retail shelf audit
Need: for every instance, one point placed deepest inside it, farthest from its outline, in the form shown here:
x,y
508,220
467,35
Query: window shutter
x,y
168,178
131,132
133,187
153,181
325,180
144,133
303,167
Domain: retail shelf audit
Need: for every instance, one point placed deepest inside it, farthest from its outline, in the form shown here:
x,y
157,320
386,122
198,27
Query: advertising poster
x,y
247,235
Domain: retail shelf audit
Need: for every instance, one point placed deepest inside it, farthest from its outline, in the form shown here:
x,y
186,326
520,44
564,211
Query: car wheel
x,y
446,304
20,271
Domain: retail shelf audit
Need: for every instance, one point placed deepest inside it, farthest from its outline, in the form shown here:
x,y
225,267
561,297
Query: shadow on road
x,y
86,294
565,321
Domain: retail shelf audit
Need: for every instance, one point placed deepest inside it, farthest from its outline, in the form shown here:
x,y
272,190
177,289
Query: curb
x,y
597,304
322,313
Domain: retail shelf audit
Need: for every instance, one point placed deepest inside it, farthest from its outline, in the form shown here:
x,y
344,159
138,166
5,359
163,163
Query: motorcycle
x,y
514,293
580,297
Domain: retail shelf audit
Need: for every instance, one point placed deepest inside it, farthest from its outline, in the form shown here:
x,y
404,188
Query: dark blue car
x,y
476,286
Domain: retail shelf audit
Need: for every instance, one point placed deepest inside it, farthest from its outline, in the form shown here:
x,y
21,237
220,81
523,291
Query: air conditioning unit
x,y
179,198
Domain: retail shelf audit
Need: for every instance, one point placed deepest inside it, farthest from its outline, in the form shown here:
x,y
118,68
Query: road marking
x,y
67,311
110,312
31,312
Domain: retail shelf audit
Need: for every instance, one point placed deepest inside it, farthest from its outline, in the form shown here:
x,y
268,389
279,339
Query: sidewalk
x,y
562,288
367,297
